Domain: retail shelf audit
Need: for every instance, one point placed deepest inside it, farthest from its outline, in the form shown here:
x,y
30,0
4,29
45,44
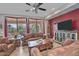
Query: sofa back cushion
x,y
38,34
27,36
3,40
67,42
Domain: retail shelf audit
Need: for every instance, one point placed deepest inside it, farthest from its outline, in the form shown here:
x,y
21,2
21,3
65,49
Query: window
x,y
15,27
35,26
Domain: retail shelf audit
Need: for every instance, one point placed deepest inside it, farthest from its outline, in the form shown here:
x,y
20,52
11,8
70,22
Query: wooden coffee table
x,y
46,44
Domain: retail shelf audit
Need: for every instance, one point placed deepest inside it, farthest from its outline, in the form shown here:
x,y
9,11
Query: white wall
x,y
46,24
55,28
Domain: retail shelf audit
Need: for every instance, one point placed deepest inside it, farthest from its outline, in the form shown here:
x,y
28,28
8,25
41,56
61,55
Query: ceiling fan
x,y
35,7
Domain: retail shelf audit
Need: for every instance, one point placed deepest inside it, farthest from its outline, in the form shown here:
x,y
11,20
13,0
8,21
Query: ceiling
x,y
53,9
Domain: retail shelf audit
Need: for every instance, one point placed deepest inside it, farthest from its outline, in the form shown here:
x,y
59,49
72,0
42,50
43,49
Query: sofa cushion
x,y
0,47
67,42
59,51
7,42
3,40
4,47
35,52
77,42
10,46
0,41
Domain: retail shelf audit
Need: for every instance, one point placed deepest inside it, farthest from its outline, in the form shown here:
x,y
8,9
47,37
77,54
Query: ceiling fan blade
x,y
27,10
42,9
36,11
39,4
28,4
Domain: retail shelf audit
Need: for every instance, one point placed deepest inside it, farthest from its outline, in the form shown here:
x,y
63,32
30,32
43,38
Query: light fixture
x,y
32,9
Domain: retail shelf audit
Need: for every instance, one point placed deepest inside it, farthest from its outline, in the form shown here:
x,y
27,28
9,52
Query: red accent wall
x,y
73,15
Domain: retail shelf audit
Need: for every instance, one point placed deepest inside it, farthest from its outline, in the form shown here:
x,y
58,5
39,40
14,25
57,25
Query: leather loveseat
x,y
6,47
66,50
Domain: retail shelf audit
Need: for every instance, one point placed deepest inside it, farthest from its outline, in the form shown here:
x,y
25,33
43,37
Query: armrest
x,y
11,41
35,52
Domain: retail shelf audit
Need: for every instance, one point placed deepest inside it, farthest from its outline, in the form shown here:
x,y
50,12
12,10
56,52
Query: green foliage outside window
x,y
34,28
11,29
20,28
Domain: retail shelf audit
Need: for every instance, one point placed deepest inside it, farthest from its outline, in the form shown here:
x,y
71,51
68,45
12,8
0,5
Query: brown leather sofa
x,y
28,36
67,50
6,47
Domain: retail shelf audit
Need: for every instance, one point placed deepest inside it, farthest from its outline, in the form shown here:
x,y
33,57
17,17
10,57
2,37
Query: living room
x,y
39,29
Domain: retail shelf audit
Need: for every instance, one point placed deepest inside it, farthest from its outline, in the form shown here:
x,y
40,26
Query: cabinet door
x,y
64,36
60,38
73,36
57,36
68,35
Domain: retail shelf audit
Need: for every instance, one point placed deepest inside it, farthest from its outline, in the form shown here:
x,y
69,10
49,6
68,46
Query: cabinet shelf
x,y
61,36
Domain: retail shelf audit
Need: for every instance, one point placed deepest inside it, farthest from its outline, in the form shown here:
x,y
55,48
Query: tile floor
x,y
20,51
23,51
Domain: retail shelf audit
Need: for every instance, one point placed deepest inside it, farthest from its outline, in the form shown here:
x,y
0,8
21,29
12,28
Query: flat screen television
x,y
66,25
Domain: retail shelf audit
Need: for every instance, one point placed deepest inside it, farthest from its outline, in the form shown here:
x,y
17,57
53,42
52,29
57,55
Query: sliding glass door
x,y
40,26
32,26
15,27
21,26
35,26
11,27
